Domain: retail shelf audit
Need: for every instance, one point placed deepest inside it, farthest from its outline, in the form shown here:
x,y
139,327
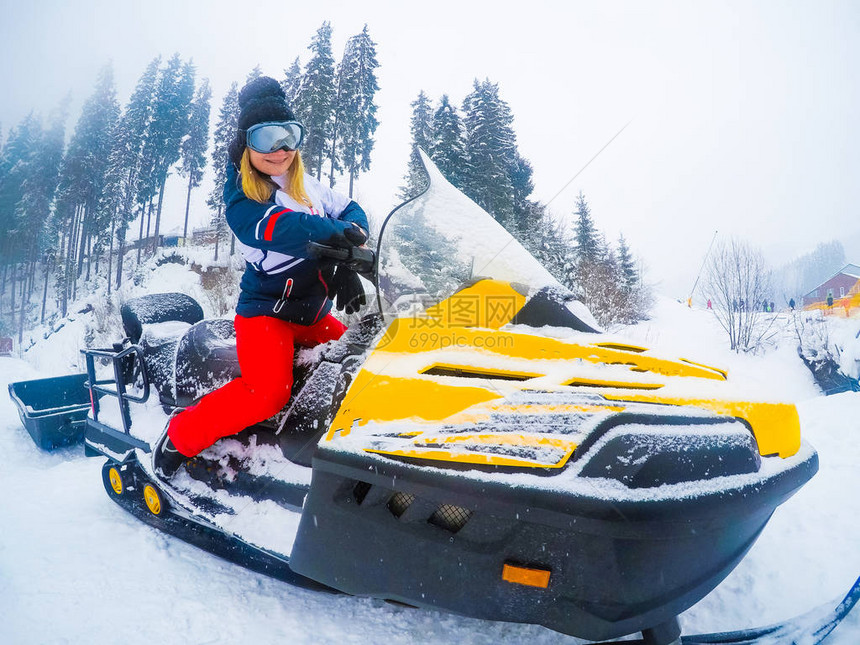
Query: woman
x,y
274,208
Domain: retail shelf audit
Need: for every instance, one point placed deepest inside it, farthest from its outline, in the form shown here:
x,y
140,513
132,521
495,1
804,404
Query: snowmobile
x,y
474,444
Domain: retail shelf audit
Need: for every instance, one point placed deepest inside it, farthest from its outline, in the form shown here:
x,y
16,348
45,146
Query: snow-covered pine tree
x,y
490,150
173,96
626,266
585,233
99,133
28,178
195,144
19,149
338,113
355,110
127,160
4,241
565,255
316,100
605,279
421,128
81,185
15,152
447,147
38,188
549,241
19,174
147,183
254,73
225,130
523,222
292,84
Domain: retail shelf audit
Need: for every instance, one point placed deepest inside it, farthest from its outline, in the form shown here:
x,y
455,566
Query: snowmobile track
x,y
230,548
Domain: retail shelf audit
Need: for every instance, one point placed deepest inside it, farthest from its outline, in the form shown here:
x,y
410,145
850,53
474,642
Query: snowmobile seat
x,y
205,360
157,308
157,322
159,342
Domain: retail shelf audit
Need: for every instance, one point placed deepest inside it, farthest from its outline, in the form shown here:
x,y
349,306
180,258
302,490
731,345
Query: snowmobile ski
x,y
810,628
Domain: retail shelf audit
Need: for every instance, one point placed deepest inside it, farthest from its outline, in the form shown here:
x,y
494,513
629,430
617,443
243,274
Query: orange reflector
x,y
525,576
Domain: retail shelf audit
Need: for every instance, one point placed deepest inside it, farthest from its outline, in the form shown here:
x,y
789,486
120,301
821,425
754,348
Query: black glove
x,y
346,290
355,235
327,268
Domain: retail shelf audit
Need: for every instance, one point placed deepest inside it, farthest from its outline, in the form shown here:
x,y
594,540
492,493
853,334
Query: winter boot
x,y
166,459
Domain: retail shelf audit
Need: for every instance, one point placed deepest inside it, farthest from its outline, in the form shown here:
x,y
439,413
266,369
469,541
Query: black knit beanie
x,y
261,100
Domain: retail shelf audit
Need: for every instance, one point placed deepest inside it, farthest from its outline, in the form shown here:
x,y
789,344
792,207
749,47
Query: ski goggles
x,y
275,135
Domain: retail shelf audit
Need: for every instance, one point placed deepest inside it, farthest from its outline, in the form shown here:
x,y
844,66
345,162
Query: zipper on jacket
x,y
280,303
327,296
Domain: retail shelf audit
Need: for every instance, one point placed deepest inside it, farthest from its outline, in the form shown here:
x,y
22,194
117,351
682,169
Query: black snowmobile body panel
x,y
614,567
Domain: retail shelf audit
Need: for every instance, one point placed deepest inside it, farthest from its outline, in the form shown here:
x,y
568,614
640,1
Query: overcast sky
x,y
743,115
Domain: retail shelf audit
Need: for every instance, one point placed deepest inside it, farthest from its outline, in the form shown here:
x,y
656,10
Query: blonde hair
x,y
259,187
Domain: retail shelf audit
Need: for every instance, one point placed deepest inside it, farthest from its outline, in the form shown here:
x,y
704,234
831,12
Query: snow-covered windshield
x,y
433,245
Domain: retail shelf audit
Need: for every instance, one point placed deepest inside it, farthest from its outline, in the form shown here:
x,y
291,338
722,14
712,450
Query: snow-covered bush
x,y
830,349
220,283
105,325
612,302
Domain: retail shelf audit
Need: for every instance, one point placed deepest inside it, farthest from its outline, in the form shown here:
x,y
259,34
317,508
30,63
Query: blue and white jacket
x,y
280,279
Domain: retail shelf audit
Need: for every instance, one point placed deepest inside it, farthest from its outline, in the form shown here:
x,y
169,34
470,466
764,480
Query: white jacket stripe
x,y
286,267
257,232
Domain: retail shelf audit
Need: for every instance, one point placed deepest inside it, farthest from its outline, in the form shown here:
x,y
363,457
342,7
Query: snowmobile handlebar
x,y
360,259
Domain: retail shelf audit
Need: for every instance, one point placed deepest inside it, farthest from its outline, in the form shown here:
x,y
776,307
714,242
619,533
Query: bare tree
x,y
738,282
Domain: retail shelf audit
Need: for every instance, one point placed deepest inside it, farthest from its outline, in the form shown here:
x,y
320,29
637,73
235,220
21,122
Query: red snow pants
x,y
265,346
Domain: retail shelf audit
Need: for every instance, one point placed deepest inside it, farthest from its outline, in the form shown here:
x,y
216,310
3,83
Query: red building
x,y
844,284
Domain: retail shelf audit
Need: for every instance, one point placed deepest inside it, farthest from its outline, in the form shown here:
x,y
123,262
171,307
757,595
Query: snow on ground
x,y
76,568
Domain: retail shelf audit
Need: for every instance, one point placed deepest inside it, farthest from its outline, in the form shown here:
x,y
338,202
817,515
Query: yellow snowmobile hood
x,y
461,384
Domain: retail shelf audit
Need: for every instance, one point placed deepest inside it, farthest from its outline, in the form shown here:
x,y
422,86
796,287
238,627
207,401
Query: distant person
x,y
771,306
791,304
830,300
709,304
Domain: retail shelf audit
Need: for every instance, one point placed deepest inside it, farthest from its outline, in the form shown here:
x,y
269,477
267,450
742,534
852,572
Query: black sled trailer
x,y
474,445
53,410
